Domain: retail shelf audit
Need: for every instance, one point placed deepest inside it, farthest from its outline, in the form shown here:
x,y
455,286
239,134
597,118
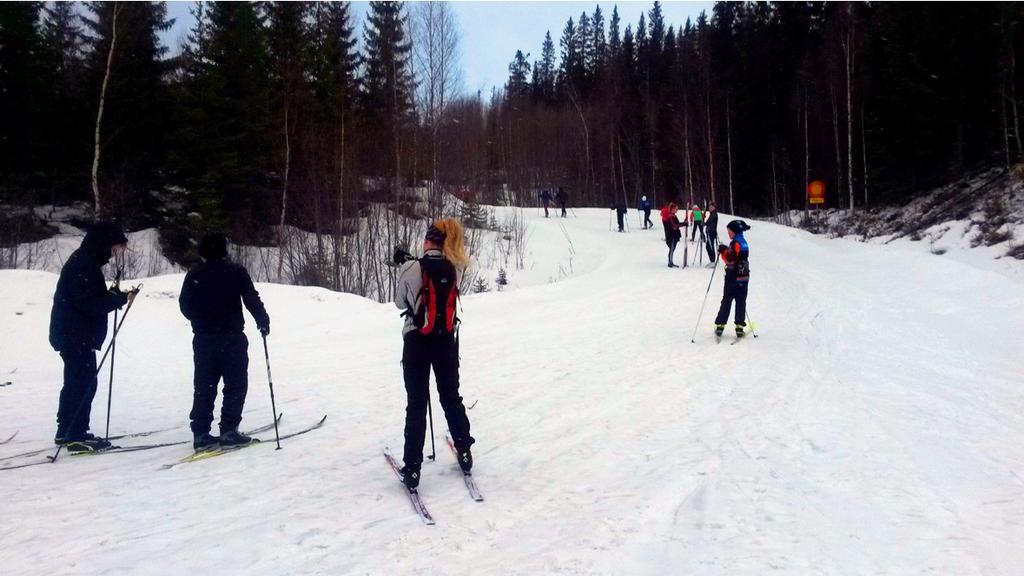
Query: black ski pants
x,y
647,219
563,211
697,224
219,355
621,218
77,393
419,354
734,290
671,250
710,243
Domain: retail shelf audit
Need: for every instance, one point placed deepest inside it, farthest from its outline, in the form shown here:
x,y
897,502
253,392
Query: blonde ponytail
x,y
454,242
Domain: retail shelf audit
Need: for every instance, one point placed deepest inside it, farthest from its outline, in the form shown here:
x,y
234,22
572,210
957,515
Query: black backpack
x,y
438,298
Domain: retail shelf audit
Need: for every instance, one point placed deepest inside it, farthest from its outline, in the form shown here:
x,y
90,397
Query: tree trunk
x,y
284,191
1006,132
807,160
835,133
98,204
340,243
1013,100
864,151
686,153
728,149
711,142
848,50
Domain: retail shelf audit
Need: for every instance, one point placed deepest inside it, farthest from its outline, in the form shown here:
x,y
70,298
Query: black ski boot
x,y
234,438
87,443
205,441
410,476
719,329
465,460
740,330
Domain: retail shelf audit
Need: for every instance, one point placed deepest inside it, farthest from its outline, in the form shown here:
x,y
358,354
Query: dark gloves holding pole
x,y
126,297
401,257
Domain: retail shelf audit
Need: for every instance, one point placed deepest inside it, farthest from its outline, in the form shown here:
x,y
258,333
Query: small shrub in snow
x,y
502,279
1016,252
481,285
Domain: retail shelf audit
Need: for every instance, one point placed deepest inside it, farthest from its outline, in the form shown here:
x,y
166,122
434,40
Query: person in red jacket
x,y
672,233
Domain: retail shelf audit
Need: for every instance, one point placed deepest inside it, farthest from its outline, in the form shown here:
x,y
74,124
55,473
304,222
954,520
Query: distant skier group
x,y
735,255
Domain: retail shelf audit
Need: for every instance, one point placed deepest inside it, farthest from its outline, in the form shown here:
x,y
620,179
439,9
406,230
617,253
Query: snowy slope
x,y
876,426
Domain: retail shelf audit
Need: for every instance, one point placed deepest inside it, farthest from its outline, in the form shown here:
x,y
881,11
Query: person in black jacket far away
x,y
212,298
78,327
563,199
711,232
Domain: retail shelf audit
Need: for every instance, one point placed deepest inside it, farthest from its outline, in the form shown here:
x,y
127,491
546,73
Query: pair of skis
x,y
220,451
112,449
414,495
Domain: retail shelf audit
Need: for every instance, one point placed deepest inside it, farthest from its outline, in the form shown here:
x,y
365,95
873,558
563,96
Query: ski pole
x,y
706,292
752,325
113,355
117,330
273,405
430,416
110,384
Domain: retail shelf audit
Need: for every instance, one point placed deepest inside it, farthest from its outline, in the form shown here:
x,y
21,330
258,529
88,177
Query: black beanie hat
x,y
436,235
213,246
738,226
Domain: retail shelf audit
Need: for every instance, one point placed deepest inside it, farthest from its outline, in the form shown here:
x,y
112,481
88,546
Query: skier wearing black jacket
x,y
563,199
78,327
737,276
711,228
427,291
211,299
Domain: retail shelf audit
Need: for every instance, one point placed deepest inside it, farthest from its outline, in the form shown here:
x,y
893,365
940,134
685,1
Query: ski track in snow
x,y
874,427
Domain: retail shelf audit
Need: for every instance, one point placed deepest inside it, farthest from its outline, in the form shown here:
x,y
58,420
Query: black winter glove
x,y
722,248
122,297
401,257
265,330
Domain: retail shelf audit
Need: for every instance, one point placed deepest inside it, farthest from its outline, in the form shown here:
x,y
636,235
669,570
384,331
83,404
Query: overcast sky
x,y
493,31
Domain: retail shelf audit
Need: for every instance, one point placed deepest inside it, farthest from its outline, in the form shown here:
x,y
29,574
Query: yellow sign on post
x,y
816,192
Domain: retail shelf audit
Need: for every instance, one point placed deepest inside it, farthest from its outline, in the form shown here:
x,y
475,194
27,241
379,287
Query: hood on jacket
x,y
101,238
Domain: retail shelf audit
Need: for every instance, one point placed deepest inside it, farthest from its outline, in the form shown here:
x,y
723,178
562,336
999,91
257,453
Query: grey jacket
x,y
407,289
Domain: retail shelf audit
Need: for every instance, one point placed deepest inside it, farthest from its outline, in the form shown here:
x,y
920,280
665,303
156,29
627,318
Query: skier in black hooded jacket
x,y
78,327
212,298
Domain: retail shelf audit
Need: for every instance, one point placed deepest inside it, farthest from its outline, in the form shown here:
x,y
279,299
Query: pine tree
x,y
598,45
546,70
614,41
289,42
21,91
137,101
584,51
567,72
66,125
223,138
518,71
387,85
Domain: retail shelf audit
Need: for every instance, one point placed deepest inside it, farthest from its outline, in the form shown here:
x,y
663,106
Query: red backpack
x,y
438,297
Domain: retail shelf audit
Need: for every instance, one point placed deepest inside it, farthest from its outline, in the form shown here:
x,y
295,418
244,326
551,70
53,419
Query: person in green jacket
x,y
697,217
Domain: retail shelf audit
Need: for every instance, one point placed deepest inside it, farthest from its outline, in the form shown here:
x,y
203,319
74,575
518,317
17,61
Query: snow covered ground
x,y
876,426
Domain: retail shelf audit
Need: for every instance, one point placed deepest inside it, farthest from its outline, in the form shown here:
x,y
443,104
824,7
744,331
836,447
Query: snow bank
x,y
978,221
876,426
